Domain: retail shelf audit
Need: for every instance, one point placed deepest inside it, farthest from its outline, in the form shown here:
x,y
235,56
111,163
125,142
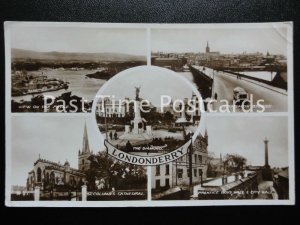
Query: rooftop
x,y
284,174
55,165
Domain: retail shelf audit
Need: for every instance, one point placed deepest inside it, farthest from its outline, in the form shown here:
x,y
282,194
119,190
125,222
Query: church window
x,y
39,175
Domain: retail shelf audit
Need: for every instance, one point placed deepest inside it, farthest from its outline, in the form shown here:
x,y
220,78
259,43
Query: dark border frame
x,y
151,11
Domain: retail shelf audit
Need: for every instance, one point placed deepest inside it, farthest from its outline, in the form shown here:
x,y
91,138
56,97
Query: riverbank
x,y
103,75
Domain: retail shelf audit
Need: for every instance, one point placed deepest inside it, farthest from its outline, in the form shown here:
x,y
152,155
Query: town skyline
x,y
221,54
225,40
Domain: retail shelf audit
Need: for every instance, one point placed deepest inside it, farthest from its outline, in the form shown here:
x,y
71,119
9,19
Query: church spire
x,y
85,143
206,135
207,50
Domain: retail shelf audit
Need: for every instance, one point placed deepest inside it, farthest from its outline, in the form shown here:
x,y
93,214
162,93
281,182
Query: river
x,y
79,84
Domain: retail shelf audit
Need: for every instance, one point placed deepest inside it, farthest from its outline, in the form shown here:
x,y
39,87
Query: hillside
x,y
20,54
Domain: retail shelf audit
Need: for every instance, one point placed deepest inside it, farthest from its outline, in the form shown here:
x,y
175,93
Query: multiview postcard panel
x,y
149,114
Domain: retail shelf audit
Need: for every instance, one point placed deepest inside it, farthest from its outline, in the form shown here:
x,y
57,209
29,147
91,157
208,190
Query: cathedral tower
x,y
206,139
85,152
207,50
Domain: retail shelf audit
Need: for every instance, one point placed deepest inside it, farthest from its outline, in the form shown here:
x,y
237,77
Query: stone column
x,y
37,193
266,154
83,192
137,117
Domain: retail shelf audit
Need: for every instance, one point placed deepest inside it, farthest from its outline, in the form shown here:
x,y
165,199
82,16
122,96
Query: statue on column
x,y
137,92
136,129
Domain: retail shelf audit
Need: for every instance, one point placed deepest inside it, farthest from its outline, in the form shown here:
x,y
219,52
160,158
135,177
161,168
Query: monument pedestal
x,y
266,171
136,137
138,133
267,174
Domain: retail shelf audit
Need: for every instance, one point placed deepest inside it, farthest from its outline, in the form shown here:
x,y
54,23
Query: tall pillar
x,y
37,193
83,192
137,117
266,154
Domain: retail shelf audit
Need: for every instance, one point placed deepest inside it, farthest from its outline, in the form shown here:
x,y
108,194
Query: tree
x,y
234,162
168,117
117,174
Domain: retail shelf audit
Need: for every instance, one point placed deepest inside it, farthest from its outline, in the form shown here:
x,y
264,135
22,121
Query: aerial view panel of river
x,y
79,84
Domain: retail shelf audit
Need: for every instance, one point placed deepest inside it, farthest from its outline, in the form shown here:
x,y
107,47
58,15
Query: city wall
x,y
203,82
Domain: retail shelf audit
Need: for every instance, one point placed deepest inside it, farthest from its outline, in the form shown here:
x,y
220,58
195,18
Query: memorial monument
x,y
137,129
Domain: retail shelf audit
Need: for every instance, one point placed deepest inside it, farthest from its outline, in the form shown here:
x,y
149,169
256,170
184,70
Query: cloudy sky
x,y
245,136
86,40
154,83
134,41
224,40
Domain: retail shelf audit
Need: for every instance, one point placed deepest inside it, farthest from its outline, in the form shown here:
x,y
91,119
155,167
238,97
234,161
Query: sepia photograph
x,y
234,69
60,68
117,115
233,158
51,162
146,117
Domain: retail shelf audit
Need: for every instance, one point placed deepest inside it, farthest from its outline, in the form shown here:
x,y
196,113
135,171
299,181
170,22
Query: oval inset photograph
x,y
148,111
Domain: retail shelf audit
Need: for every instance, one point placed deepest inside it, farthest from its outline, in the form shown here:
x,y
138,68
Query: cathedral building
x,y
47,174
208,54
207,49
85,153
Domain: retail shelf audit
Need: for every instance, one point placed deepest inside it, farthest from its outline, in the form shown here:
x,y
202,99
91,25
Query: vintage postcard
x,y
124,115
